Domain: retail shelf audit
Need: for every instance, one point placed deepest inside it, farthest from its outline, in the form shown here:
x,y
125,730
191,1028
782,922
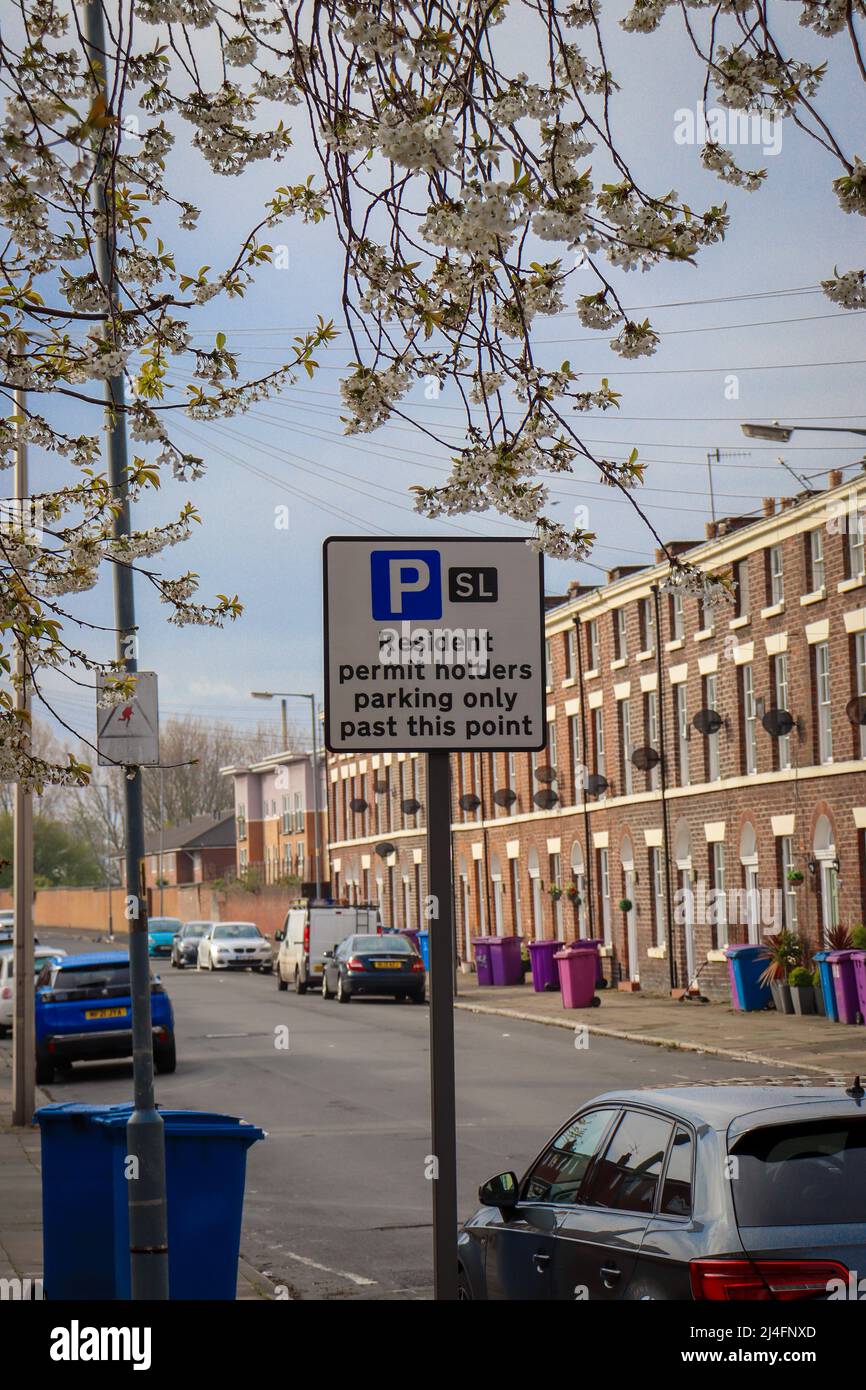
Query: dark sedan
x,y
184,946
374,965
700,1192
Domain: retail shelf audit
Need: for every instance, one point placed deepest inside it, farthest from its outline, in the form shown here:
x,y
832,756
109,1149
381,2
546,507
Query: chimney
x,y
768,506
787,502
620,571
711,529
834,478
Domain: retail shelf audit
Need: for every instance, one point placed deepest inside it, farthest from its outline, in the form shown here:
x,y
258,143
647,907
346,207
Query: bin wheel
x,y
44,1073
165,1057
281,983
596,1002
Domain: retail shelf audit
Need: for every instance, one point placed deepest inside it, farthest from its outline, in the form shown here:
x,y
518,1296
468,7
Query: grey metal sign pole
x,y
24,1023
442,1087
148,1225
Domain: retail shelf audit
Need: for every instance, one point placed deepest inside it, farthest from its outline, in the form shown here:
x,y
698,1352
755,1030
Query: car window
x,y
391,945
192,930
805,1174
559,1173
93,977
627,1176
233,931
676,1198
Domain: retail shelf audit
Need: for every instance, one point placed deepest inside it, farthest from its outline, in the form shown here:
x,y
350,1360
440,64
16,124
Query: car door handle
x,y
541,1262
610,1275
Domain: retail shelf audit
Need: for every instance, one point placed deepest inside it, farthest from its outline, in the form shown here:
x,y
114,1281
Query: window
x,y
822,696
604,892
477,783
780,689
627,1177
741,575
647,625
598,730
592,645
625,748
241,821
713,755
860,681
551,743
678,624
548,664
286,821
577,772
787,862
786,1168
571,653
511,780
559,1173
749,716
707,615
682,715
658,895
299,814
719,909
620,634
651,726
515,894
856,543
816,560
775,575
676,1199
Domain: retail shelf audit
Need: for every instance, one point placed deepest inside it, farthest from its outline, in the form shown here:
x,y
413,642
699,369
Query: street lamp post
x,y
781,434
284,695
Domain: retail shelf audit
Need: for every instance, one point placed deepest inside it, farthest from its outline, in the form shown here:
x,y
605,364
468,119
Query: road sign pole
x,y
442,1088
148,1227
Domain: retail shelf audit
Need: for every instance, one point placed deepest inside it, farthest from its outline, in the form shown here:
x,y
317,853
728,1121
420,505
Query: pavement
x,y
338,1199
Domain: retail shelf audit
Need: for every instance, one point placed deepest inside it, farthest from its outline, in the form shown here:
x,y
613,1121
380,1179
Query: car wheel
x,y
326,993
281,983
464,1293
210,964
44,1072
165,1056
343,995
300,985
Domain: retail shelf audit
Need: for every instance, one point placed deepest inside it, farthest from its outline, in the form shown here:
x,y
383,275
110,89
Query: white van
x,y
308,932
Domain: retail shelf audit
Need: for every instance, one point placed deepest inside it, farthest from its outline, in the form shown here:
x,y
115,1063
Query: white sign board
x,y
433,645
128,733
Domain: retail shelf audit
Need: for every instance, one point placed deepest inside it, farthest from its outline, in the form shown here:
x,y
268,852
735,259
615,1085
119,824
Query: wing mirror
x,y
280,935
328,955
500,1192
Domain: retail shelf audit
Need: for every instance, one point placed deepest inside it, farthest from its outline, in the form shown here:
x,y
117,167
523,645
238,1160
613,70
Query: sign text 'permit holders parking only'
x,y
433,645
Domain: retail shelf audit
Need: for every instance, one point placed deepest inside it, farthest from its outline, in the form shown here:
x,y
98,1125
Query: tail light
x,y
306,938
417,965
6,993
768,1280
354,964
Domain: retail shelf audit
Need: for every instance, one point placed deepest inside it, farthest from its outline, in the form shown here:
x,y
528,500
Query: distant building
x,y
196,852
276,823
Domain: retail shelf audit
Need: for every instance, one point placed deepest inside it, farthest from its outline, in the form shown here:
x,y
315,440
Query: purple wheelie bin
x,y
505,959
860,979
483,959
845,984
578,967
542,958
597,942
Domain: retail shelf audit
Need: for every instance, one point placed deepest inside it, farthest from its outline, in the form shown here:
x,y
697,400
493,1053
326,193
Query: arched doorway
x,y
685,896
496,880
627,862
537,903
827,862
578,876
749,862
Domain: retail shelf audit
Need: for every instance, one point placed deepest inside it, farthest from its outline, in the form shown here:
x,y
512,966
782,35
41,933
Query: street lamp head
x,y
779,433
262,694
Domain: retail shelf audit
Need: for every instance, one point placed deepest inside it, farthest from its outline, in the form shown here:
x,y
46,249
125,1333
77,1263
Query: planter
x,y
802,998
782,997
819,1001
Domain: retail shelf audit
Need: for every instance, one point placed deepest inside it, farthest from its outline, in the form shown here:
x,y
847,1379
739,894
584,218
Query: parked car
x,y
374,965
700,1192
161,932
7,977
84,1013
308,932
184,946
234,946
7,927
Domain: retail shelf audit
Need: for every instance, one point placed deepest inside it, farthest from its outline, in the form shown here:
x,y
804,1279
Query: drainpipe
x,y
669,912
583,748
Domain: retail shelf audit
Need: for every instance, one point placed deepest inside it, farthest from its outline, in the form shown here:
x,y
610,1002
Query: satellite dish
x,y
546,799
505,797
645,759
358,805
410,806
596,784
385,849
856,709
707,722
777,722
469,802
380,788
545,774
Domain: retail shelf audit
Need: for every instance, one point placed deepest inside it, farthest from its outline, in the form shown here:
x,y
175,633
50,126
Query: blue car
x,y
84,1013
161,932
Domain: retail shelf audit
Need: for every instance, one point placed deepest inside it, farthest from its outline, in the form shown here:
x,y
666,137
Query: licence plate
x,y
105,1013
387,964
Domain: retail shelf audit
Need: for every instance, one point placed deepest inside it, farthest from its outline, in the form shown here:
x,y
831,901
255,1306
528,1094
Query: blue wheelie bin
x,y
85,1195
746,965
423,944
829,993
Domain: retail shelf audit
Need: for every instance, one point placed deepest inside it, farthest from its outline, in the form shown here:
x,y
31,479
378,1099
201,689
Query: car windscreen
x,y
809,1173
392,945
194,929
164,924
233,930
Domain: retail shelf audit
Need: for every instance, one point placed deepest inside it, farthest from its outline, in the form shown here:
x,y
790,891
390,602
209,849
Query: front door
x,y
537,909
687,898
631,927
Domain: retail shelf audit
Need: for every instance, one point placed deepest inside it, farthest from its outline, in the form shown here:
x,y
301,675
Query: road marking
x,y
341,1273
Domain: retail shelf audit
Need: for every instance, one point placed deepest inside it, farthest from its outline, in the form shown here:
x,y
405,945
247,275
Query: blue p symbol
x,y
406,584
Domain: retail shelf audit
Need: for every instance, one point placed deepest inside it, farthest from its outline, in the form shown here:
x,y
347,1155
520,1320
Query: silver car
x,y
234,946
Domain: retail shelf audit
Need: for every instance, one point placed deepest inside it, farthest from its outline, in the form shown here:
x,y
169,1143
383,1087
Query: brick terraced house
x,y
704,780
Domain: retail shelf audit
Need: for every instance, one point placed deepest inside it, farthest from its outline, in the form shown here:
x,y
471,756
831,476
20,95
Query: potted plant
x,y
802,990
572,894
555,891
794,875
837,938
782,953
858,937
625,904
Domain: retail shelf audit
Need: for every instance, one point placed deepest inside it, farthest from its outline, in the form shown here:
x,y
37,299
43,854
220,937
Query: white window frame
x,y
780,679
777,575
823,695
816,559
627,747
749,715
682,717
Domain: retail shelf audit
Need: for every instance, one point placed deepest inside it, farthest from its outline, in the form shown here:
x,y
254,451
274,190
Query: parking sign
x,y
433,646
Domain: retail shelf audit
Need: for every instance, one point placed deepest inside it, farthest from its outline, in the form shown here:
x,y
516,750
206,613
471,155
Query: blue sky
x,y
782,241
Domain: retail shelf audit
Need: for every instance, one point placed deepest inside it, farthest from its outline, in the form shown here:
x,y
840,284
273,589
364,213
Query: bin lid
x,y
821,956
544,945
842,955
80,1110
744,948
199,1122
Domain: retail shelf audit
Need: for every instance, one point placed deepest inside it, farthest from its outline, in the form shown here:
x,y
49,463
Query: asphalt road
x,y
337,1202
